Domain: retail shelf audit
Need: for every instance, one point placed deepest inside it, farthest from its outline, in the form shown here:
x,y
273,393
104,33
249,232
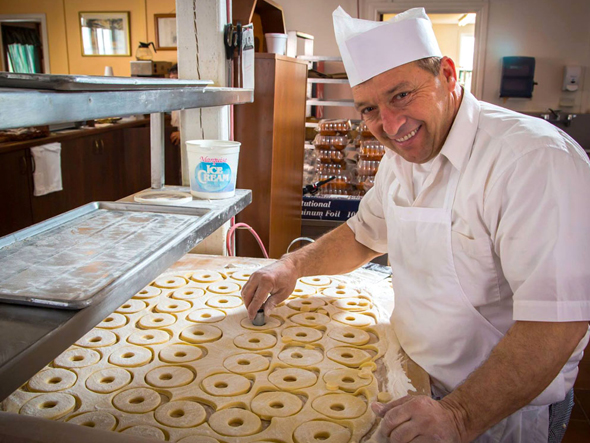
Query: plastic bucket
x,y
213,167
276,43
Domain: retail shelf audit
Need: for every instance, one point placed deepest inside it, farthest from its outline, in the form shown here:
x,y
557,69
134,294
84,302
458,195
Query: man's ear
x,y
448,70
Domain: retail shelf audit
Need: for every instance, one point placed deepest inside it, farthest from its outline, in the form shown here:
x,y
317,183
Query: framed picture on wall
x,y
165,26
105,33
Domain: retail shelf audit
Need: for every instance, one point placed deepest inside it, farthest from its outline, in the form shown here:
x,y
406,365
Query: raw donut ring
x,y
169,306
226,385
130,356
353,304
302,334
275,404
170,282
97,338
340,292
353,319
52,380
157,320
77,358
290,379
223,287
352,336
51,406
206,276
224,301
181,414
317,280
188,293
346,379
242,274
255,341
148,337
206,315
320,430
180,353
271,323
339,406
113,321
95,419
169,377
137,400
201,334
303,291
148,292
312,319
131,306
235,422
298,356
306,304
246,363
351,357
108,380
145,431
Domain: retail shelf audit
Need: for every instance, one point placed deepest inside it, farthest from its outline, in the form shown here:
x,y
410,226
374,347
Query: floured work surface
x,y
67,265
180,361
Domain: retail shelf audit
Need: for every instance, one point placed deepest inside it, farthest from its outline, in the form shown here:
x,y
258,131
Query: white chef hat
x,y
369,48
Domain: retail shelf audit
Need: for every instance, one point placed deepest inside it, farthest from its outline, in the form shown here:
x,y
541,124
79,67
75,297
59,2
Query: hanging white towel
x,y
47,172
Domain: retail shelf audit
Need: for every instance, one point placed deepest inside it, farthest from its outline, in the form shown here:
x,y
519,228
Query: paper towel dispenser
x,y
518,75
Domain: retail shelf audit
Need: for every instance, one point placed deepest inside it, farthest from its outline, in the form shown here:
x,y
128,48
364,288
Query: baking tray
x,y
93,83
67,261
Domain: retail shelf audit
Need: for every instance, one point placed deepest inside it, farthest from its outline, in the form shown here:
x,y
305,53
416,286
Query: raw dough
x,y
352,336
353,304
346,379
353,319
206,276
131,307
351,357
180,353
276,404
201,334
188,293
255,341
108,380
52,380
246,363
145,432
302,334
170,282
223,287
318,280
95,419
137,400
170,306
340,292
97,338
181,414
339,406
77,358
206,315
303,291
225,385
169,377
130,356
306,304
113,321
148,292
152,320
148,337
52,406
224,301
302,357
321,431
312,319
242,275
289,379
235,422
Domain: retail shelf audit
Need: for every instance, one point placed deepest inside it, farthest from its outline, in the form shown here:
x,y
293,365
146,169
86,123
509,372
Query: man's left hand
x,y
417,419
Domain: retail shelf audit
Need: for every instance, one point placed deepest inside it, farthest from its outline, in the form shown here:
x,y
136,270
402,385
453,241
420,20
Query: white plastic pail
x,y
213,167
276,43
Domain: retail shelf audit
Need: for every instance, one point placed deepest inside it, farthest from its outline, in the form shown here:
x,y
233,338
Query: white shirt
x,y
521,213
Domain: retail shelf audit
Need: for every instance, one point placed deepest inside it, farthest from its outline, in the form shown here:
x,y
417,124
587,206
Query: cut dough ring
x,y
311,319
171,306
108,380
52,380
181,414
235,422
97,338
170,282
339,406
156,320
148,292
321,430
51,406
226,385
275,404
95,419
131,306
255,341
303,291
271,323
242,275
302,334
347,356
181,353
201,333
205,276
169,377
340,292
224,301
113,321
224,287
353,304
306,304
137,400
147,337
130,356
292,378
77,358
353,319
352,336
188,293
346,379
246,363
317,280
206,315
300,357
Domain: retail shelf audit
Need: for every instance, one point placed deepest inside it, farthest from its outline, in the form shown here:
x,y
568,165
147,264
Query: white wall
x,y
556,33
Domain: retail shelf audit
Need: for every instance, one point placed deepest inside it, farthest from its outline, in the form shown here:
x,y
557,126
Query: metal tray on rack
x,y
93,82
69,260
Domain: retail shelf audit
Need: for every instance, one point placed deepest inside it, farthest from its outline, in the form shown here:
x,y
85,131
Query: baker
x,y
485,216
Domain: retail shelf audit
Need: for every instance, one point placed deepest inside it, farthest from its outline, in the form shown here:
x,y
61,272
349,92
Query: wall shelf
x,y
320,102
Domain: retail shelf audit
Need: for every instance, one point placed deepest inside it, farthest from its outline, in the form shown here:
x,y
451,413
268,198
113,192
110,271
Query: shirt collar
x,y
459,142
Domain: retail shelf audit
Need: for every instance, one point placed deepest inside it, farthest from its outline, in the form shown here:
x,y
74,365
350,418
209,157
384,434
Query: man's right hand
x,y
269,286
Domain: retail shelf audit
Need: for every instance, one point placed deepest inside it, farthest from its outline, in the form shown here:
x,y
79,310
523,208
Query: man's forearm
x,y
337,252
519,368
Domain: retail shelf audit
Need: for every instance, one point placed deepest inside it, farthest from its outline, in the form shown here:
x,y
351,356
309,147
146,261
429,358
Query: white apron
x,y
435,322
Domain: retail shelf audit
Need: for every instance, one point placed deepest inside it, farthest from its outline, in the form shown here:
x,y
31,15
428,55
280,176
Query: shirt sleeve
x,y
368,224
539,214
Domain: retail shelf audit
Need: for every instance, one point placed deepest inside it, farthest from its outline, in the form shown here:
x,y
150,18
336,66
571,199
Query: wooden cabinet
x,y
15,192
272,133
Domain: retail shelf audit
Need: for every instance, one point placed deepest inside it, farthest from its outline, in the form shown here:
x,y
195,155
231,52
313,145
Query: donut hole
x,y
95,339
310,317
166,376
76,358
277,405
290,379
148,337
206,276
198,333
107,320
298,290
223,287
338,407
143,292
243,362
170,281
206,315
352,303
48,405
223,300
254,340
296,355
188,292
177,413
235,422
321,436
301,334
136,400
305,302
220,385
89,424
128,355
350,318
173,306
54,380
349,335
316,279
347,380
346,355
180,354
107,380
126,306
340,292
158,320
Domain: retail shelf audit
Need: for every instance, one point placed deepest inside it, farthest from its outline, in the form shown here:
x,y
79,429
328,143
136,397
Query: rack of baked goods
x,y
181,362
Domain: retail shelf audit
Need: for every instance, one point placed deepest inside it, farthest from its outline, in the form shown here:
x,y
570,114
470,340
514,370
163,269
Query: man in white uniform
x,y
485,217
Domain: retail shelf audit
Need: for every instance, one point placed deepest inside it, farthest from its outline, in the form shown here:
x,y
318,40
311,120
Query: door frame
x,y
37,18
372,10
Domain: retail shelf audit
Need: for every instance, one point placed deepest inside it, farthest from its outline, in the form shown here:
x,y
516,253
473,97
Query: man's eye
x,y
402,95
367,110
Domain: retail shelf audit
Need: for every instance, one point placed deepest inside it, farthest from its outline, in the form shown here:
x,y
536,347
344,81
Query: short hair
x,y
173,69
430,64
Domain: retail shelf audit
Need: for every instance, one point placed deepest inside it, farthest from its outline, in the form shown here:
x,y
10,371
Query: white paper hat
x,y
369,48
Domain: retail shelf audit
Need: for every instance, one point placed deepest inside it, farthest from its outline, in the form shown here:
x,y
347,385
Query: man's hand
x,y
175,138
277,279
417,419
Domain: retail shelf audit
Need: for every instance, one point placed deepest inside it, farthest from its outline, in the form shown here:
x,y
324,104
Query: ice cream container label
x,y
214,176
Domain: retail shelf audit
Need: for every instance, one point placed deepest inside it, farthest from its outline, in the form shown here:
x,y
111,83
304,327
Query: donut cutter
x,y
259,320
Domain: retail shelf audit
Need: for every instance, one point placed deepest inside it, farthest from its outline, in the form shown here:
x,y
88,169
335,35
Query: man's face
x,y
410,110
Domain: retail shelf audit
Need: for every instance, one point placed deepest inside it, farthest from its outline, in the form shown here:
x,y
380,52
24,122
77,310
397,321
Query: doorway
x,y
23,44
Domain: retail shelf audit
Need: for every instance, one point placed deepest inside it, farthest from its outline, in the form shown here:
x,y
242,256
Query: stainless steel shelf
x,y
28,107
329,81
319,58
318,102
33,336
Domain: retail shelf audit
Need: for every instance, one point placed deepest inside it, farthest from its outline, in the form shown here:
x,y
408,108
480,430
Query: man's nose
x,y
392,121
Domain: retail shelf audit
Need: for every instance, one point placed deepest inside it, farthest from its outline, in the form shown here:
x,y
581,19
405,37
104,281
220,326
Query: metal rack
x,y
32,335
